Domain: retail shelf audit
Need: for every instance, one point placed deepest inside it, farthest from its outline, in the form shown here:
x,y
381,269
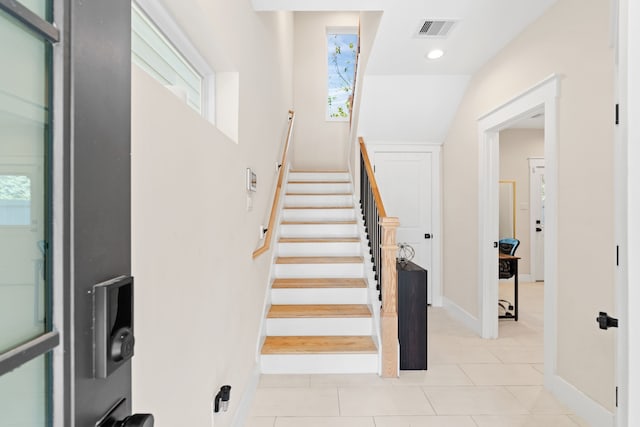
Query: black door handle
x,y
538,229
605,321
137,420
428,235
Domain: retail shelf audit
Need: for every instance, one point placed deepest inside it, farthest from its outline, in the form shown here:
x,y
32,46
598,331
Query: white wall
x,y
571,39
409,108
199,294
516,147
319,144
369,22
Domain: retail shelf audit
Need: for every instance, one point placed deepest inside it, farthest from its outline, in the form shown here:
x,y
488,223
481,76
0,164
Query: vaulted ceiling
x,y
482,28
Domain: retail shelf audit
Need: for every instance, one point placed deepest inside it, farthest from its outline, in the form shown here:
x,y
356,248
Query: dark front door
x,y
100,123
64,208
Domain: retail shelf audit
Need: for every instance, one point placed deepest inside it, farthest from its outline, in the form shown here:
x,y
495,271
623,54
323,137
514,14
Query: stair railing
x,y
266,244
381,230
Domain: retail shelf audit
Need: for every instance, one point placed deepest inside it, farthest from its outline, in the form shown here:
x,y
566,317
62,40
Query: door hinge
x,y
617,255
616,396
617,114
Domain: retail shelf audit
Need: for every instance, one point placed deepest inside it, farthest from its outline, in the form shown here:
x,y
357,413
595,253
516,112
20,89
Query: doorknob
x,y
428,235
605,321
538,229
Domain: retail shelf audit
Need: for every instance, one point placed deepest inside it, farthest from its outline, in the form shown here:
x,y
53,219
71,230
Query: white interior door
x,y
405,181
537,196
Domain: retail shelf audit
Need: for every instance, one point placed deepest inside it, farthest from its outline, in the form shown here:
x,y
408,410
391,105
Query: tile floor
x,y
470,382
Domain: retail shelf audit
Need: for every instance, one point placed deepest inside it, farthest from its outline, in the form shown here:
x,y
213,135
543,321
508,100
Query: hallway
x,y
470,383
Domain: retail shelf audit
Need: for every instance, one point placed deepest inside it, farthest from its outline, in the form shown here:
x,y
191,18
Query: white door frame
x,y
542,96
628,213
533,192
435,275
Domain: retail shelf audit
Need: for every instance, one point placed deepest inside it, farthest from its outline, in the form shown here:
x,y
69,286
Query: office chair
x,y
505,269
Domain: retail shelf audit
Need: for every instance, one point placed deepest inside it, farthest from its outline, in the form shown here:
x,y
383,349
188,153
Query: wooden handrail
x,y
372,178
389,273
266,244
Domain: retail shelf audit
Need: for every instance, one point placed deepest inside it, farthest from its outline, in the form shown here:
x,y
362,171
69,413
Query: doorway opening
x,y
521,225
540,98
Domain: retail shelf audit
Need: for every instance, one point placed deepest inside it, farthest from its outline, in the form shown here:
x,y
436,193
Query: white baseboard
x,y
244,407
589,410
462,316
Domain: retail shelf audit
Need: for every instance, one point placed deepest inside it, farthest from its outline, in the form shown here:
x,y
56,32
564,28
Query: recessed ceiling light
x,y
435,54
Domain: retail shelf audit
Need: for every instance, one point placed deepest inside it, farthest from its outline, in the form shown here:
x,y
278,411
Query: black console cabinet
x,y
412,316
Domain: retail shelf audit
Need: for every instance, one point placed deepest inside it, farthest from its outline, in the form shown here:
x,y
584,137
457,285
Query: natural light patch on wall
x,y
342,47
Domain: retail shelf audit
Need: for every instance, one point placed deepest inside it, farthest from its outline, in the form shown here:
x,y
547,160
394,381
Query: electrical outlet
x,y
263,231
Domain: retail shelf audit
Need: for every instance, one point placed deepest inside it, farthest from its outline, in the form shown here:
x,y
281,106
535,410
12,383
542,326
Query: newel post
x,y
389,312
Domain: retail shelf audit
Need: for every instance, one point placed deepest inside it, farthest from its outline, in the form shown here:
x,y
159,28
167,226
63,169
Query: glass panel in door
x,y
24,138
24,395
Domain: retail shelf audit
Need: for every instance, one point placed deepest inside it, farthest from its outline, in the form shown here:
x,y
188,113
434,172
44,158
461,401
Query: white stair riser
x,y
318,188
320,327
318,270
346,214
311,176
318,230
319,363
320,249
319,296
333,200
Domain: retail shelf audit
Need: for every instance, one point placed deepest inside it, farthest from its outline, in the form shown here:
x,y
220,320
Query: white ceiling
x,y
404,109
425,111
483,28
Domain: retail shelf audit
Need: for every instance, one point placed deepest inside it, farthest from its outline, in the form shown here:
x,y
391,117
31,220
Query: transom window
x,y
155,54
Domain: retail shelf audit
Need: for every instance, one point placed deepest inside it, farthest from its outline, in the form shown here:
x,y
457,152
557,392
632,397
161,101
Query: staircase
x,y
320,319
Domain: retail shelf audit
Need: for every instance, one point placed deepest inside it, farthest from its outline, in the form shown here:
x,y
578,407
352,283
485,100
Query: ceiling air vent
x,y
435,29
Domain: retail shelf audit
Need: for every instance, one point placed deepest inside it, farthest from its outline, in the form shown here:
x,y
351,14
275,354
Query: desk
x,y
514,267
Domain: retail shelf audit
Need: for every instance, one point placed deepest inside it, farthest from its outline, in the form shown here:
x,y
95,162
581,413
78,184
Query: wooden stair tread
x,y
319,182
318,344
318,207
319,240
320,222
317,171
318,283
319,194
297,311
320,260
